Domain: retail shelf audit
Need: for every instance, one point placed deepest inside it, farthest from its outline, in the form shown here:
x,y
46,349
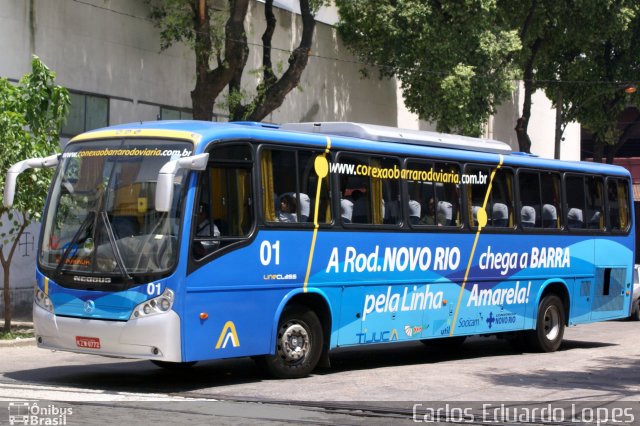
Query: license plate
x,y
87,342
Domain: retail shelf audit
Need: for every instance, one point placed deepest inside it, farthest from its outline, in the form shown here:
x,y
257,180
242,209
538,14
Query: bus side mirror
x,y
21,166
164,186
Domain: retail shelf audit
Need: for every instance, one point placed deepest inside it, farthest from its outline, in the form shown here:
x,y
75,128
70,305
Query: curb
x,y
18,343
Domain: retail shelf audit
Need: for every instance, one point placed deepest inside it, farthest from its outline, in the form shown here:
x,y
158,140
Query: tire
x,y
299,344
635,312
173,365
550,324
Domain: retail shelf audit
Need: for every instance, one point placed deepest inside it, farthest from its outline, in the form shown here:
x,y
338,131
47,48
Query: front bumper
x,y
156,337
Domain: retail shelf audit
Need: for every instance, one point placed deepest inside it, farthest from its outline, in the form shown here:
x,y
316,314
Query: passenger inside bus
x,y
205,229
288,208
360,207
430,217
346,210
444,214
414,212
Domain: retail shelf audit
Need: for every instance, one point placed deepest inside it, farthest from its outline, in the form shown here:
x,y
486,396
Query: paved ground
x,y
599,363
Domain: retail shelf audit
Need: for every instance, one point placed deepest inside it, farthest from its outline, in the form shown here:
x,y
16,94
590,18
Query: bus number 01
x,y
153,289
266,251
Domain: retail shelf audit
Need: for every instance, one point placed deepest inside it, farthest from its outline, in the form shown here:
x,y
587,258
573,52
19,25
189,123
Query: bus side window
x,y
435,200
309,196
618,204
223,212
290,186
551,196
575,196
500,206
355,189
530,206
370,195
595,203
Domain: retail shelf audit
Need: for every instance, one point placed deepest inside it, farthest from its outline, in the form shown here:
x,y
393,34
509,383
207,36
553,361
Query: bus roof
x,y
350,135
406,136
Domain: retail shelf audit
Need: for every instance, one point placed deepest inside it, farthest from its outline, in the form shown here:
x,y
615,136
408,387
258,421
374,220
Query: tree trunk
x,y
6,297
598,150
558,136
6,272
624,138
209,83
522,125
274,94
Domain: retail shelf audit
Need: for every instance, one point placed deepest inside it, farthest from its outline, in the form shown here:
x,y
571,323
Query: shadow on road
x,y
144,377
615,375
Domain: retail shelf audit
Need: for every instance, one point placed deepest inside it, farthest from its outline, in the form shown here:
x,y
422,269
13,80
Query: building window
x,y
87,112
175,114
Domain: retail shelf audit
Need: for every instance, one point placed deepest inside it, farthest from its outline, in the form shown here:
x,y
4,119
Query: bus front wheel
x,y
549,331
298,344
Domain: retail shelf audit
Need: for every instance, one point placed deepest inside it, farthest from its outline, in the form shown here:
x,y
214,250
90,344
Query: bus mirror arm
x,y
21,166
164,186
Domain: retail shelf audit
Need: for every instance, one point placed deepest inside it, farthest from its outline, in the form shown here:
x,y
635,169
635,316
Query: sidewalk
x,y
20,342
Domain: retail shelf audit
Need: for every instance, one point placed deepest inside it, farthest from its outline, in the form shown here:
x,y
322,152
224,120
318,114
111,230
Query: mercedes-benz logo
x,y
89,306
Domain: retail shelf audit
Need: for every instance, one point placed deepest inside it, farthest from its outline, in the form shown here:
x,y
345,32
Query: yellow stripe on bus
x,y
481,224
321,166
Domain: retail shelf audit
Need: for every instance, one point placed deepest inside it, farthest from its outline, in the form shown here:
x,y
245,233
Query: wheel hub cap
x,y
294,342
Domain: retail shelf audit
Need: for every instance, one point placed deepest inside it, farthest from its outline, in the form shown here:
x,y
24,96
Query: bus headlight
x,y
42,300
157,305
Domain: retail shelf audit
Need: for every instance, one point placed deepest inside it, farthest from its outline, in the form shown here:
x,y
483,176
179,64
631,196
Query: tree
x,y
593,73
540,24
221,53
453,59
31,115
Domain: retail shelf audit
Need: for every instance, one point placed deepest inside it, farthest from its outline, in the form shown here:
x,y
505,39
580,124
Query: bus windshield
x,y
101,218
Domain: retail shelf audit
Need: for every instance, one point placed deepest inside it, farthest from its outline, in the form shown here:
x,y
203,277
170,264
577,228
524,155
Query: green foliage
x,y
593,62
457,60
453,59
31,115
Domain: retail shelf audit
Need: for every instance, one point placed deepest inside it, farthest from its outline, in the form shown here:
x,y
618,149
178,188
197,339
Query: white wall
x,y
541,126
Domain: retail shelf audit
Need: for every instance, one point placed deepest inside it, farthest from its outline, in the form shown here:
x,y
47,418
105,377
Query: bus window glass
x,y
502,199
595,202
224,212
388,188
290,185
309,189
551,196
530,207
279,171
574,194
618,204
499,203
434,198
355,189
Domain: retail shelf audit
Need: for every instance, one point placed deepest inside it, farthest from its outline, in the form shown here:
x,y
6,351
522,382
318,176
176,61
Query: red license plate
x,y
88,342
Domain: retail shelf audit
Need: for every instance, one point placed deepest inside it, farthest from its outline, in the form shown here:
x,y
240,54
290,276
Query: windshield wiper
x,y
114,245
70,245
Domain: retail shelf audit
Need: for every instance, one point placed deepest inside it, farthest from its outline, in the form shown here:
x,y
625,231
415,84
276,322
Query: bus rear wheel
x,y
635,312
549,331
298,344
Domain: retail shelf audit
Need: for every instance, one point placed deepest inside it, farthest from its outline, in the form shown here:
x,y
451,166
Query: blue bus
x,y
182,241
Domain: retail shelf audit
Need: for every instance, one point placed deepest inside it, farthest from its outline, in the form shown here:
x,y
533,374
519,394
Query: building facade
x,y
107,53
